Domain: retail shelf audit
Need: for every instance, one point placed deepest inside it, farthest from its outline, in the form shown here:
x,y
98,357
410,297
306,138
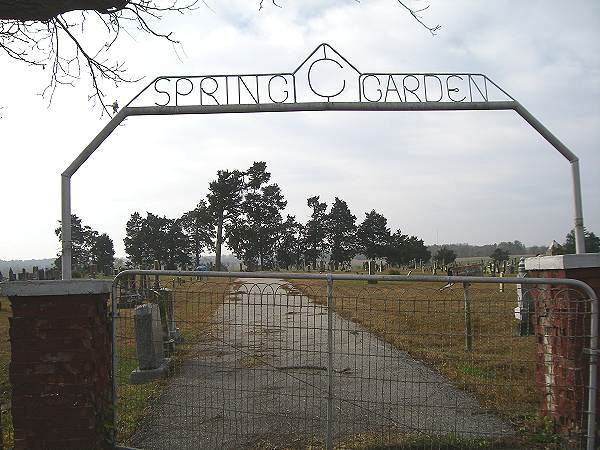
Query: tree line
x,y
243,210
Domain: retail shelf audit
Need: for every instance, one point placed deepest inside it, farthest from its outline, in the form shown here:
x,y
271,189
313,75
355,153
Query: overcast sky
x,y
476,177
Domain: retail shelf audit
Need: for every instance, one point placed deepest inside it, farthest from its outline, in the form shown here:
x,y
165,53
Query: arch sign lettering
x,y
324,76
324,81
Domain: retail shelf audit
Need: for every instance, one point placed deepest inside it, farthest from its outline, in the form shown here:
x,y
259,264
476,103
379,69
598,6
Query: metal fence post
x,y
329,442
114,315
468,320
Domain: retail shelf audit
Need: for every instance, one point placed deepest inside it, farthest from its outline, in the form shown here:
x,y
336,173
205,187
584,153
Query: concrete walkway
x,y
261,379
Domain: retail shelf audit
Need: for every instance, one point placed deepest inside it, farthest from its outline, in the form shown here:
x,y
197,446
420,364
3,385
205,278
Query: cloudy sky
x,y
475,177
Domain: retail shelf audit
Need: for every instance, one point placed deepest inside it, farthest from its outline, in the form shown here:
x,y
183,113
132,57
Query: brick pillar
x,y
562,328
60,363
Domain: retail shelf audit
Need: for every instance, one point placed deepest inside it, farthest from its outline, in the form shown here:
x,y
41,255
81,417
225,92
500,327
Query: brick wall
x,y
562,329
60,371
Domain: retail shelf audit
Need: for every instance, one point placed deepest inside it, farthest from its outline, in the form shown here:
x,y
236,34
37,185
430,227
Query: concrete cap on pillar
x,y
54,287
561,262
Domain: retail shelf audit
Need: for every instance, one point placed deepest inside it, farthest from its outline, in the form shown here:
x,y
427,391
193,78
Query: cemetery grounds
x,y
426,320
427,324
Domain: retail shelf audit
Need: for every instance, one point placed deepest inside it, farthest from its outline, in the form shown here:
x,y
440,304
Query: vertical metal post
x,y
329,442
468,320
156,277
114,315
593,378
66,226
579,235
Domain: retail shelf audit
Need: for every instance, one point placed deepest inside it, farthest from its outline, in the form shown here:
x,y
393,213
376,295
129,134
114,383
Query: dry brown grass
x,y
430,325
196,304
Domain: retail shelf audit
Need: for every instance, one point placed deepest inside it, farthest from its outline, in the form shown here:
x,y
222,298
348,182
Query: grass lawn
x,y
429,324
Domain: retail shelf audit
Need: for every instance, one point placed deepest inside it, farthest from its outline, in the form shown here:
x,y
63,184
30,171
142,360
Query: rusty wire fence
x,y
255,360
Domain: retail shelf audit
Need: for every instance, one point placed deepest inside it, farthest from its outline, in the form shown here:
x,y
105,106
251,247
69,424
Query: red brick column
x,y
562,328
60,364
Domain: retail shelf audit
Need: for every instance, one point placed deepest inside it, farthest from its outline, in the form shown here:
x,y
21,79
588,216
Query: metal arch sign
x,y
324,81
325,75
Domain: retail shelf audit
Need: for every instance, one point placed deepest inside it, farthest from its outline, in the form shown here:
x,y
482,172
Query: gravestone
x,y
11,275
152,364
34,273
168,297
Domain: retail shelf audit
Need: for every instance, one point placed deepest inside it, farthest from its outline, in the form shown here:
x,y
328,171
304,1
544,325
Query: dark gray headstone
x,y
148,335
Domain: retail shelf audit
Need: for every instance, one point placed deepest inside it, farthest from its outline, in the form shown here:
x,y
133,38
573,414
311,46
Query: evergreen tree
x,y
416,250
253,235
156,238
290,247
374,236
592,242
341,233
176,245
134,240
398,250
103,254
224,199
315,231
198,225
83,239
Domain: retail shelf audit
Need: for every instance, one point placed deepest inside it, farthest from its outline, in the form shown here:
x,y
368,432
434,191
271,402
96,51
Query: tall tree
x,y
225,200
156,238
134,240
398,250
373,235
88,247
315,232
341,233
83,238
198,225
592,242
254,233
103,254
290,249
416,250
176,245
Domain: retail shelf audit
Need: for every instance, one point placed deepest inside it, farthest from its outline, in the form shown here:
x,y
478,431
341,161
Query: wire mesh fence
x,y
297,362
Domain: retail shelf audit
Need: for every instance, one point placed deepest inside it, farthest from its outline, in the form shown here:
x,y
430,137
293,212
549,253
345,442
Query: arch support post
x,y
579,235
66,227
569,155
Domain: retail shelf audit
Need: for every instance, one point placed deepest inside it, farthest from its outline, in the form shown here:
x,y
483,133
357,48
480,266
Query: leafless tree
x,y
51,35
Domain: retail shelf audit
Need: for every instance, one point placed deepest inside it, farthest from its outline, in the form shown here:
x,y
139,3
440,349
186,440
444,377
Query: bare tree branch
x,y
51,35
416,14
